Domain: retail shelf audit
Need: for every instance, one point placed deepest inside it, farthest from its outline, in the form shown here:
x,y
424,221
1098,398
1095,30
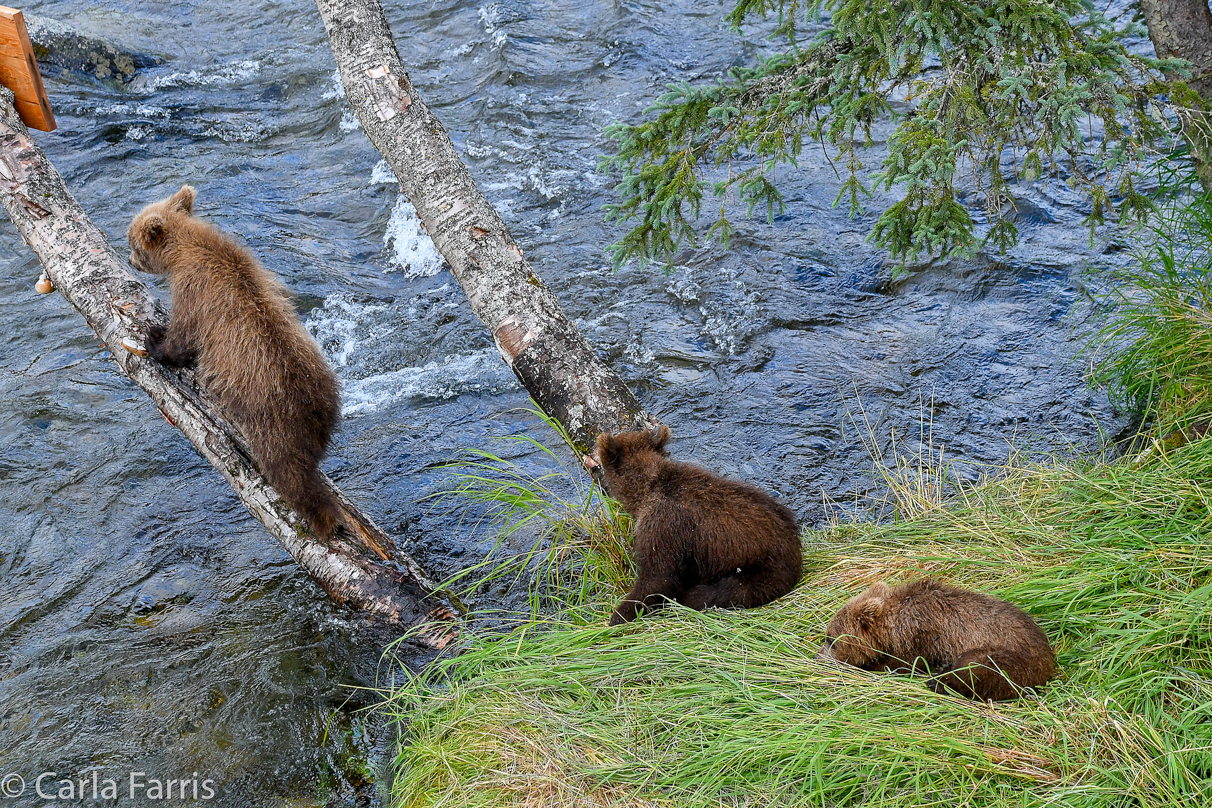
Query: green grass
x,y
1112,557
731,708
1155,353
552,528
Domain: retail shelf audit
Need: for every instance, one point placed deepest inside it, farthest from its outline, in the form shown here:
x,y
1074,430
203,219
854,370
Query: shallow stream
x,y
147,623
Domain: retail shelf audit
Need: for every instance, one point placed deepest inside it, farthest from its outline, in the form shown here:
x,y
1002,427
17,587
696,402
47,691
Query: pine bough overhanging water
x,y
998,92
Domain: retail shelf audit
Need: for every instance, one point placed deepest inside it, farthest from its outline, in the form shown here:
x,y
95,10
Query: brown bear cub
x,y
968,643
700,539
234,319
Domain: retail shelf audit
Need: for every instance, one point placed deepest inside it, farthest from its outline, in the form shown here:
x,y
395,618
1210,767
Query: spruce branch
x,y
1016,91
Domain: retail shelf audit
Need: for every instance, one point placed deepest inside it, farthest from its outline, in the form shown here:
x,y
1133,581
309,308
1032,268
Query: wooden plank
x,y
15,76
27,110
19,72
11,48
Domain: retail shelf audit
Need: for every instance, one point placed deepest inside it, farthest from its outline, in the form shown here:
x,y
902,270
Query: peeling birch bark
x,y
543,347
1183,28
82,265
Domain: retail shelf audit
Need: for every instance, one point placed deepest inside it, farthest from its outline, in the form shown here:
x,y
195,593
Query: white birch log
x,y
83,266
544,349
1183,28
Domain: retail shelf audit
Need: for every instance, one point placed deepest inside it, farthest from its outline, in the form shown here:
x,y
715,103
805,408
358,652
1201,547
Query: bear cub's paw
x,y
159,348
156,333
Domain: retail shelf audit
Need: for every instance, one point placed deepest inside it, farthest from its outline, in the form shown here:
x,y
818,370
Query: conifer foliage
x,y
984,95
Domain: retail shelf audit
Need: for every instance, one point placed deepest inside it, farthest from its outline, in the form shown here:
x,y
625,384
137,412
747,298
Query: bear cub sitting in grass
x,y
700,539
971,644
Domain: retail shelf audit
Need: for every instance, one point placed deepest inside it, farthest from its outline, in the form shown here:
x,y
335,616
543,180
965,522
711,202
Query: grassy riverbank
x,y
700,709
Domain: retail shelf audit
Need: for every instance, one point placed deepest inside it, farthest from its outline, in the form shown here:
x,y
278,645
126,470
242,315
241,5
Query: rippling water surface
x,y
148,623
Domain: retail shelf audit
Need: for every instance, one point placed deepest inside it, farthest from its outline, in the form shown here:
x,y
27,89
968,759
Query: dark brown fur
x,y
969,643
235,319
700,539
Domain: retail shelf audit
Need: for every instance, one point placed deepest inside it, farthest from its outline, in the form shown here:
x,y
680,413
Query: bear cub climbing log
x,y
700,539
972,644
235,321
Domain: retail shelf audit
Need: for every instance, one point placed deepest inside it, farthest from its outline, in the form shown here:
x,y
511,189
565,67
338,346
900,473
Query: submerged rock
x,y
60,45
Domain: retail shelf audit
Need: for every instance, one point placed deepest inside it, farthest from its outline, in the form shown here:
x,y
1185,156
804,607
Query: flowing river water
x,y
148,624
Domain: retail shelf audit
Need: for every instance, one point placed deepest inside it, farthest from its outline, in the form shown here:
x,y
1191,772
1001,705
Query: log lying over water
x,y
539,343
95,280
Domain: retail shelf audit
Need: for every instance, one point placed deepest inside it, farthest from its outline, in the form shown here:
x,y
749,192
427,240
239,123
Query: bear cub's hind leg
x,y
721,594
650,593
981,674
751,587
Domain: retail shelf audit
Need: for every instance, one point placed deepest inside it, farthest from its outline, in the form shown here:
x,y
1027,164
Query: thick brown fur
x,y
234,319
700,539
968,643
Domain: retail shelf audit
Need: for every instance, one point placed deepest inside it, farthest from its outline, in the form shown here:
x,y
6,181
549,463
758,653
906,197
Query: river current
x,y
148,623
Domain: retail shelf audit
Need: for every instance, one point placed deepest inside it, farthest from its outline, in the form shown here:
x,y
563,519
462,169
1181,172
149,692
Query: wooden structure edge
x,y
19,72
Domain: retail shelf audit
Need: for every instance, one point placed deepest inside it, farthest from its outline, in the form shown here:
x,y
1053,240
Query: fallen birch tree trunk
x,y
83,266
543,347
1183,28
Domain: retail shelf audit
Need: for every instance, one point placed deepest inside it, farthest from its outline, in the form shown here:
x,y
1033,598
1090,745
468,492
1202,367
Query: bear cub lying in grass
x,y
972,644
700,539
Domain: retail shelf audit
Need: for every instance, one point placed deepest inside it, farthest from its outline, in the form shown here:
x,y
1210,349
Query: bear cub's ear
x,y
150,231
872,607
608,449
183,200
658,437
